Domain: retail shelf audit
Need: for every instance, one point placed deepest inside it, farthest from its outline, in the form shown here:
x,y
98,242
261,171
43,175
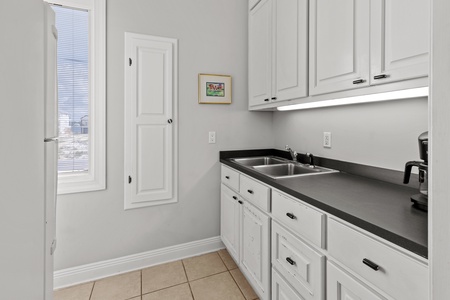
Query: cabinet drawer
x,y
398,275
255,192
230,178
300,264
341,285
282,290
300,218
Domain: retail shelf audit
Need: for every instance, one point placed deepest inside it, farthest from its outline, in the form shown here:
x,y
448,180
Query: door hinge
x,y
129,179
130,61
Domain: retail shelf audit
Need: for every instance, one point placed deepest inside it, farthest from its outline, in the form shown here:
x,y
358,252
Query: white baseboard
x,y
94,271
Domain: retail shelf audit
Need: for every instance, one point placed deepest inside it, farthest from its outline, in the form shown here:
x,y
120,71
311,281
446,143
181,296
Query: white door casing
x,y
150,120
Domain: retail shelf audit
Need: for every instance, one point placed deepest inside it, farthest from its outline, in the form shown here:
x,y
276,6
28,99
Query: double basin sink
x,y
278,168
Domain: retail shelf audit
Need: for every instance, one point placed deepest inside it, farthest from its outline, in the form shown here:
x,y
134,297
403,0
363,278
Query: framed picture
x,y
214,89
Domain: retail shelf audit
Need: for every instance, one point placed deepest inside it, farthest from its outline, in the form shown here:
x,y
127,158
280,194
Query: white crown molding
x,y
97,270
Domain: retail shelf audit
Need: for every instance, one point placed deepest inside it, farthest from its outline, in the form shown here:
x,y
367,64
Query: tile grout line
x,y
242,292
92,291
188,282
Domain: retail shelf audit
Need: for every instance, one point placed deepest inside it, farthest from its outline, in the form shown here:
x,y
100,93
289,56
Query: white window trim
x,y
95,178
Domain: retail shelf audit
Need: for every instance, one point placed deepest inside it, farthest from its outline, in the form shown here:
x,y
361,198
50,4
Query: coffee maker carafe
x,y
420,200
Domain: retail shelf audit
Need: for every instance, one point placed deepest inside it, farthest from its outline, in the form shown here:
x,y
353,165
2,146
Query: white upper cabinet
x,y
150,130
260,53
278,51
357,43
339,45
399,40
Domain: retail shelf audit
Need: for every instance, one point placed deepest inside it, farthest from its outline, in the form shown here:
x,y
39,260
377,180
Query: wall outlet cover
x,y
327,139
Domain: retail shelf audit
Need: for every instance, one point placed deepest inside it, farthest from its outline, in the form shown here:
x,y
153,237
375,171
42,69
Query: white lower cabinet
x,y
391,270
301,265
343,286
305,253
255,249
230,221
282,290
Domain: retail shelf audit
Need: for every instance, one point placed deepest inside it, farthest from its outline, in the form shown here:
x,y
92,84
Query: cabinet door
x,y
230,221
256,249
342,286
260,53
399,40
281,290
339,45
291,49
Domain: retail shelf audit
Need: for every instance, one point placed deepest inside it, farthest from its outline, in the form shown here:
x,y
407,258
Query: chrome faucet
x,y
293,153
311,160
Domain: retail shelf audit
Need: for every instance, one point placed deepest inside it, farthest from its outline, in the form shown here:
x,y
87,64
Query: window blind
x,y
73,89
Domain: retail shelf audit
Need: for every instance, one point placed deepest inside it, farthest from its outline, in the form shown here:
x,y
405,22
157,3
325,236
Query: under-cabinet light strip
x,y
402,94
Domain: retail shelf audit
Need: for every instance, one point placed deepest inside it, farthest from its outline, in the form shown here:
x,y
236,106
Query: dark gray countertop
x,y
379,207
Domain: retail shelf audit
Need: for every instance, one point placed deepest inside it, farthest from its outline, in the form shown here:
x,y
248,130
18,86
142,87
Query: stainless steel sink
x,y
291,170
259,161
278,168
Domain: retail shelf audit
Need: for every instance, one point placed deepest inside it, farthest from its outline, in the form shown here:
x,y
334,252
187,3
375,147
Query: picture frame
x,y
214,89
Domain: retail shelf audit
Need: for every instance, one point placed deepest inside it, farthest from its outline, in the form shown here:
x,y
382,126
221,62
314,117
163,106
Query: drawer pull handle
x,y
381,76
291,216
274,98
250,191
290,261
234,197
227,177
359,81
371,264
266,99
240,202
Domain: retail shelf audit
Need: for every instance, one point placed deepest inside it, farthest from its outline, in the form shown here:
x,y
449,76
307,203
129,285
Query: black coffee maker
x,y
420,200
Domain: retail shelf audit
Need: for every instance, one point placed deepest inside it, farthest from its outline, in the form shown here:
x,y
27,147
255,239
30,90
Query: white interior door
x,y
150,130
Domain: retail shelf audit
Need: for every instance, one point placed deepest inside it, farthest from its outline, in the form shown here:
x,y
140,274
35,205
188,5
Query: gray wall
x,y
382,134
22,149
212,39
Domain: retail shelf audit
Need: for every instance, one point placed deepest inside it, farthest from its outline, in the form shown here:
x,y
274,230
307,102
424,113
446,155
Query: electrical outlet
x,y
327,139
212,137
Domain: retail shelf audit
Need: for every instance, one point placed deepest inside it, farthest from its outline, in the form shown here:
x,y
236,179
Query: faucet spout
x,y
311,160
292,152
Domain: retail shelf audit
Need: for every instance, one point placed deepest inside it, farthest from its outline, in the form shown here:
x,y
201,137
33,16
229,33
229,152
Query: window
x,y
81,94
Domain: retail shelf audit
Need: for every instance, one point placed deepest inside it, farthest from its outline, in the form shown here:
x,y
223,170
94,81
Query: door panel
x,y
150,133
399,39
291,48
255,249
230,221
260,53
339,45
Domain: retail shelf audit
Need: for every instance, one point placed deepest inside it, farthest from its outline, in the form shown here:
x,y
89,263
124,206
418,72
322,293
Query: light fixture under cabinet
x,y
395,95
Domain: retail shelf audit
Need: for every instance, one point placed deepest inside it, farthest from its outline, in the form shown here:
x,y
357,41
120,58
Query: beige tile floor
x,y
212,276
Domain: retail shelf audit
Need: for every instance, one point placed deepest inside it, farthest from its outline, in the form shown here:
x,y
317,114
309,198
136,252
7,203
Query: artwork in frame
x,y
214,89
